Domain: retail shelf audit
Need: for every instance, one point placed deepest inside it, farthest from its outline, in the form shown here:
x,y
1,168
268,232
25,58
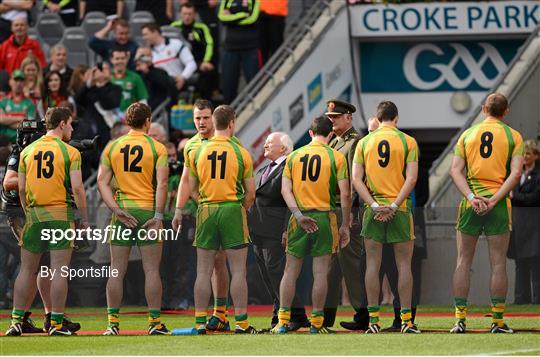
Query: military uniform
x,y
349,262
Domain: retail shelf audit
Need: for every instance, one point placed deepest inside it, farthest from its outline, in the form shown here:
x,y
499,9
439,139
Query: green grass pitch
x,y
521,343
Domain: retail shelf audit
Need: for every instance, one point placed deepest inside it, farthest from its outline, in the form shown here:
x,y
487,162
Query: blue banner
x,y
434,66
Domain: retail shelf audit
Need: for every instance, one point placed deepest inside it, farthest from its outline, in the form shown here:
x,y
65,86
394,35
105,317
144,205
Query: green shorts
x,y
399,229
495,222
127,237
324,241
221,226
41,237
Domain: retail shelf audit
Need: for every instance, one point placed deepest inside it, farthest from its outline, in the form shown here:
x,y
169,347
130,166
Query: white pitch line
x,y
503,353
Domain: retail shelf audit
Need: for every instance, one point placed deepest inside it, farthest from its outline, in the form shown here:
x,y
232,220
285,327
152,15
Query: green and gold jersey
x,y
385,153
47,164
488,149
315,170
221,165
134,159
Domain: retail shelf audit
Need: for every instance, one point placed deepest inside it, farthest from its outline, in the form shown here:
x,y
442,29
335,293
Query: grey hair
x,y
286,141
56,48
161,129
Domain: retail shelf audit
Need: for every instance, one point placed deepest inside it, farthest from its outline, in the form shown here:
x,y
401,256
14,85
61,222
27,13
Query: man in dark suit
x,y
268,219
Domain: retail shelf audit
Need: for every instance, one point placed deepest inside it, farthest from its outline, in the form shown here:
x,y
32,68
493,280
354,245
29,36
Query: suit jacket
x,y
269,215
525,237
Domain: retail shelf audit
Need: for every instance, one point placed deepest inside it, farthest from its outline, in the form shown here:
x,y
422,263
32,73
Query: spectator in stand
x,y
170,54
18,46
15,107
99,98
101,45
33,79
77,78
207,10
55,92
109,7
157,81
67,9
10,10
58,54
133,88
241,45
525,237
163,10
202,46
272,26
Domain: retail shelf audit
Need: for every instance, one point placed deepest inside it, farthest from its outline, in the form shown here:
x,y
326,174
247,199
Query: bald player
x,y
488,160
388,159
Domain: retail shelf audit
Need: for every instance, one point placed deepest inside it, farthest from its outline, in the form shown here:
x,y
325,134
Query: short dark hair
x,y
386,111
137,113
54,116
222,116
496,105
188,5
119,48
121,23
321,126
203,104
152,27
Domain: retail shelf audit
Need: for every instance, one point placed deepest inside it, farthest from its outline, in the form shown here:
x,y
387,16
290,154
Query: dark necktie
x,y
266,172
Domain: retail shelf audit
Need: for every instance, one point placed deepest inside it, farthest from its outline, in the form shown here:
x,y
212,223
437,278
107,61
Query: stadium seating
x,y
172,32
51,27
76,42
136,21
93,22
34,34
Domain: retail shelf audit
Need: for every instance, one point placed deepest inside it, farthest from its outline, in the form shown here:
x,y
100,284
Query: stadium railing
x,y
285,61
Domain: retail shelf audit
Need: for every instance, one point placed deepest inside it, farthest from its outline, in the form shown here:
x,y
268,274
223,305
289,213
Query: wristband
x,y
470,196
178,211
298,214
394,206
158,215
374,205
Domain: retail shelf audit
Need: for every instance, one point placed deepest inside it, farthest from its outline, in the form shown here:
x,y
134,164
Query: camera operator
x,y
45,192
29,131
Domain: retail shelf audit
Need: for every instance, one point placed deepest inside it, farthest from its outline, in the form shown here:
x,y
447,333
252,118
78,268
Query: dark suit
x,y
268,219
525,238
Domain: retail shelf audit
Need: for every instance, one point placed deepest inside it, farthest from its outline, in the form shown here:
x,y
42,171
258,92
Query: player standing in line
x,y
492,153
49,171
388,159
140,169
221,171
202,117
311,176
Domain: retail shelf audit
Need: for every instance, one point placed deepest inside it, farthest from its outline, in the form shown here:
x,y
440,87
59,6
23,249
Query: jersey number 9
x,y
384,153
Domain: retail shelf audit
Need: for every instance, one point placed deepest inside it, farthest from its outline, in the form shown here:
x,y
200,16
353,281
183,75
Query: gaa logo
x,y
471,68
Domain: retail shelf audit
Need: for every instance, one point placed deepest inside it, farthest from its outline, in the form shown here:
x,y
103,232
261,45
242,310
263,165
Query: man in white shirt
x,y
170,54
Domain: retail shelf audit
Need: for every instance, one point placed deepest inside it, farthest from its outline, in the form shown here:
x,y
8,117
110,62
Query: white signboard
x,y
461,18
